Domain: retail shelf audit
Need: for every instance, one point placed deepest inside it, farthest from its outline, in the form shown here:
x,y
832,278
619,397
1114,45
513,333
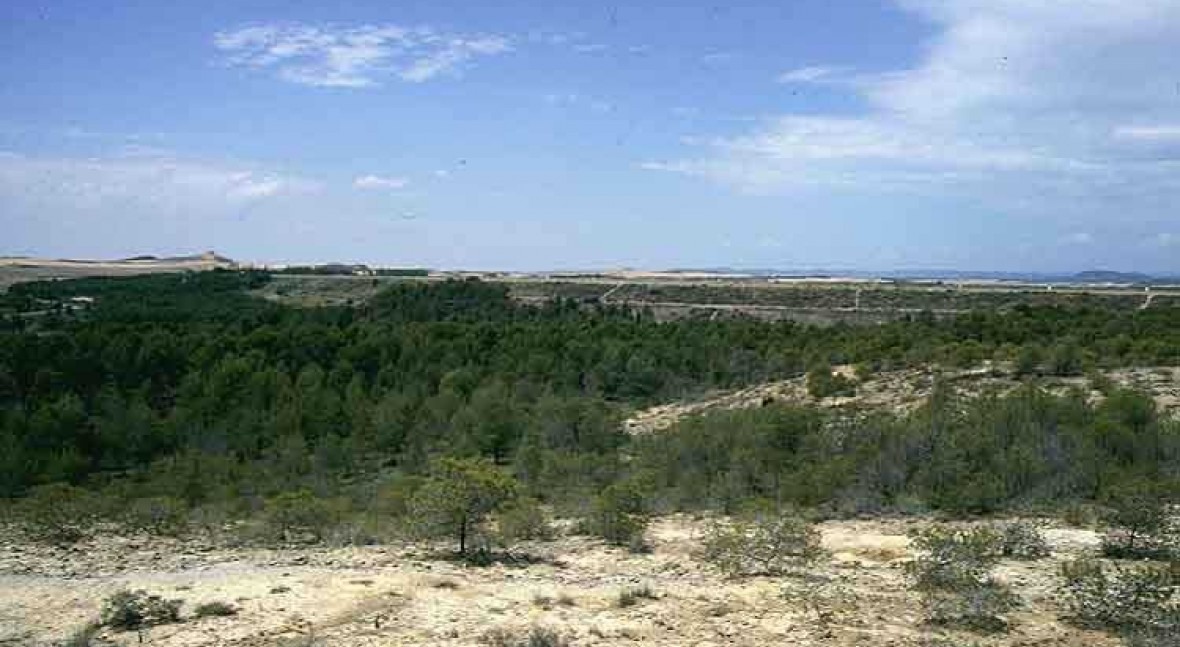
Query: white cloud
x,y
811,74
332,56
1051,107
152,184
380,183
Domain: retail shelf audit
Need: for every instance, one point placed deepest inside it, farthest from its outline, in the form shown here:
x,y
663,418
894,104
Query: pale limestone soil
x,y
393,596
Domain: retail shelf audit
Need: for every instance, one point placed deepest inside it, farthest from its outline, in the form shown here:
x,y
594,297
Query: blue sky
x,y
872,134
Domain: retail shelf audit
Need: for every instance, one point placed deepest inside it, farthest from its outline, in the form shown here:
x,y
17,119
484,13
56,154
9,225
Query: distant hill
x,y
19,269
1106,276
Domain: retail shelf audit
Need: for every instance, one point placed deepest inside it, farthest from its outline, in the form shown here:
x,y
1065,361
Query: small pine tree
x,y
458,498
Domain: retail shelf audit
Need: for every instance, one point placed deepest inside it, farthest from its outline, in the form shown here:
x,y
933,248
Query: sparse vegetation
x,y
84,636
535,637
828,600
632,596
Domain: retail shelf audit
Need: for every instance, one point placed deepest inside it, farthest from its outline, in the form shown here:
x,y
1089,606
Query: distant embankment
x,y
23,269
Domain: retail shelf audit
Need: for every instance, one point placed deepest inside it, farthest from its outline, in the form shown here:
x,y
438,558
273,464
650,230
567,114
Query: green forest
x,y
184,397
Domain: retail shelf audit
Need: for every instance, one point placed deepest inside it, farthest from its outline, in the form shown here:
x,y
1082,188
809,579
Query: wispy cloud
x,y
1078,238
1052,108
377,182
1165,240
1164,133
812,74
355,57
150,184
572,99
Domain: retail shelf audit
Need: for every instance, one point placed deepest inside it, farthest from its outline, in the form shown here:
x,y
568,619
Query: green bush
x,y
619,516
214,610
761,545
952,572
951,559
823,383
1141,525
57,513
522,520
1022,540
301,515
1125,597
135,609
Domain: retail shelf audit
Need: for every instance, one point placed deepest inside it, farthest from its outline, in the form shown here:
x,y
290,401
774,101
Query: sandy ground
x,y
396,595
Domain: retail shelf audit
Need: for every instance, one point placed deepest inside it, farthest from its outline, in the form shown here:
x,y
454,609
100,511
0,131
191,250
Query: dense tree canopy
x,y
192,389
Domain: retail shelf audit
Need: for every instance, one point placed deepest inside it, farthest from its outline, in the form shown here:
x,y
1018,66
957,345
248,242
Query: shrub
x,y
761,545
156,515
1022,540
629,597
827,599
214,609
1138,597
1141,524
975,607
823,383
84,636
952,571
57,513
302,515
952,558
523,519
535,637
134,609
619,516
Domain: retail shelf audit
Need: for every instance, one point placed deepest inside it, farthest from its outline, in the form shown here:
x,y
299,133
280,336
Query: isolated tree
x,y
457,499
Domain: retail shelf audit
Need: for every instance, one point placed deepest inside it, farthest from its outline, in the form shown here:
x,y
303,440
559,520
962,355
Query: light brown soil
x,y
395,596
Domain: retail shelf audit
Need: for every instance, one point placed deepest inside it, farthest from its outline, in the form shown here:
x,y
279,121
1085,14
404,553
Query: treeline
x,y
185,387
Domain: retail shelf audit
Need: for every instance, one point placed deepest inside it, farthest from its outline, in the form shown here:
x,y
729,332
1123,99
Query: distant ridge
x,y
207,260
1106,276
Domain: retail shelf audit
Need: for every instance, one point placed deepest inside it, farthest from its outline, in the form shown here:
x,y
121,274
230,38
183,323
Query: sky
x,y
1018,135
